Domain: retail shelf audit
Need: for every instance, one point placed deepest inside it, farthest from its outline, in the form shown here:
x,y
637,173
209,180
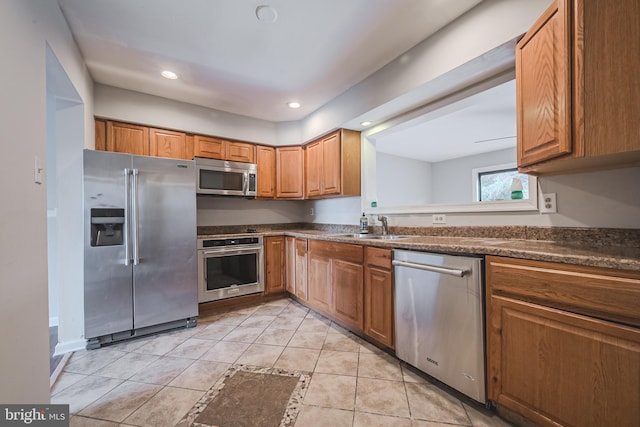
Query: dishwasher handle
x,y
444,270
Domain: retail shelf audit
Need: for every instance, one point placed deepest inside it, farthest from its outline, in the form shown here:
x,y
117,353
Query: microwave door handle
x,y
245,182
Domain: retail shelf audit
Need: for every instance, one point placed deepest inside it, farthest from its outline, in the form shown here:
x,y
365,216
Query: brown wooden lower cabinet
x,y
347,286
548,358
335,280
290,264
319,281
274,264
301,288
378,296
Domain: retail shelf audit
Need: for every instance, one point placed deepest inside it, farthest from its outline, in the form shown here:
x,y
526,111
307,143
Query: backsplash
x,y
591,237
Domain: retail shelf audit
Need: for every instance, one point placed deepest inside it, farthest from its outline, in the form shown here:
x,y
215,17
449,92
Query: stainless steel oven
x,y
229,267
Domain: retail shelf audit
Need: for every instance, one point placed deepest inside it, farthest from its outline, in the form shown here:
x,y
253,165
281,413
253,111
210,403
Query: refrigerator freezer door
x,y
108,294
165,275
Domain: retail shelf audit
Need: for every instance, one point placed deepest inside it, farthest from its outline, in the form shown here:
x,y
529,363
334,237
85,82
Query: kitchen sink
x,y
373,236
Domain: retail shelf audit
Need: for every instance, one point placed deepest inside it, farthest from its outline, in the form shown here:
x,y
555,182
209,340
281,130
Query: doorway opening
x,y
65,141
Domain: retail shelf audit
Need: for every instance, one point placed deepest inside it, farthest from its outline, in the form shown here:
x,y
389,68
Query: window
x,y
495,183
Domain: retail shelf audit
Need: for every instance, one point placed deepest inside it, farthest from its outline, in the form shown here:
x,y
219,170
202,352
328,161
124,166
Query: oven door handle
x,y
225,252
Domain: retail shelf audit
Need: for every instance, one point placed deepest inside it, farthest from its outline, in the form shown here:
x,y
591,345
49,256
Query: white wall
x,y
483,28
239,211
126,105
70,233
401,181
452,181
26,26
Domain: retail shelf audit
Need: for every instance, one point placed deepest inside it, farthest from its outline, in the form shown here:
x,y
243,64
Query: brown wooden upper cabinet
x,y
332,165
578,101
289,173
241,152
210,147
101,134
217,148
167,143
127,138
266,160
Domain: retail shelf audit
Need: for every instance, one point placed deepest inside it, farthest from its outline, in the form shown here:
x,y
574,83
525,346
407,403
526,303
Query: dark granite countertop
x,y
588,252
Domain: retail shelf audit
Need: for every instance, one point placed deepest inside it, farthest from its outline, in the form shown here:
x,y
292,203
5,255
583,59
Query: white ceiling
x,y
478,124
230,61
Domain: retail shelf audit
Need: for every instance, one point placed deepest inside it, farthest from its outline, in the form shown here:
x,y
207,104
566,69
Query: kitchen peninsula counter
x,y
590,249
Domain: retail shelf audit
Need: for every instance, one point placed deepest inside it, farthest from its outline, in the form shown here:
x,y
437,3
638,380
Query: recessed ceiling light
x,y
266,13
169,75
365,123
294,104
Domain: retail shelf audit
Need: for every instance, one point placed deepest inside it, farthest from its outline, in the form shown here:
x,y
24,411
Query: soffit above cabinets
x,y
229,60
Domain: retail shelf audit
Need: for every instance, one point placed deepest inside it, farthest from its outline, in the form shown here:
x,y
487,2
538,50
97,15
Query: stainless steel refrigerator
x,y
140,256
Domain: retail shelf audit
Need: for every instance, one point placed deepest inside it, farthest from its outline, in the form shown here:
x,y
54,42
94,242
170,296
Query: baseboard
x,y
53,321
56,373
69,346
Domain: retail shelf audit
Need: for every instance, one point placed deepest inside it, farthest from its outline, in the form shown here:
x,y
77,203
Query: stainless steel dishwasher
x,y
439,318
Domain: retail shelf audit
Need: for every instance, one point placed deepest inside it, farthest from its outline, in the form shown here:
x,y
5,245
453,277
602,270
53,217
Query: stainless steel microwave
x,y
226,178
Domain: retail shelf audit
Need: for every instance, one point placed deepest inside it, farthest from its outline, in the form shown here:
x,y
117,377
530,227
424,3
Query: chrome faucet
x,y
385,224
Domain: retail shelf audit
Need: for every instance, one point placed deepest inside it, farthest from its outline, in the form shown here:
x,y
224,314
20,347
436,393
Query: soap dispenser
x,y
364,224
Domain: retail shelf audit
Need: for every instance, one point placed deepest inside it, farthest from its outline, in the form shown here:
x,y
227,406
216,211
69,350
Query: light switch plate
x,y
37,170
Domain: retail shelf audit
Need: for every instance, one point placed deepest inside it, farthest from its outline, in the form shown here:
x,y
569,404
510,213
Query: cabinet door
x,y
331,165
166,143
558,368
378,304
266,159
274,264
100,135
212,148
543,87
319,282
126,138
313,169
290,264
301,270
240,152
289,173
347,290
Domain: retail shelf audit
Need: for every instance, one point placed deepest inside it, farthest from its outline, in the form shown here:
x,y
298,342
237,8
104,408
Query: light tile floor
x,y
154,381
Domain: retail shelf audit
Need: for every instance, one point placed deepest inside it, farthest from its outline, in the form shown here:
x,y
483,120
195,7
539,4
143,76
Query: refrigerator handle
x,y
134,218
127,224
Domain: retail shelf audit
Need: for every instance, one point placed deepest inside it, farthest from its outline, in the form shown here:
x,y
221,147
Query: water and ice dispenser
x,y
107,226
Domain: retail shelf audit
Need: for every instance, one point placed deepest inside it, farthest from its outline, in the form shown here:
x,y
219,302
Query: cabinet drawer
x,y
378,257
341,251
599,292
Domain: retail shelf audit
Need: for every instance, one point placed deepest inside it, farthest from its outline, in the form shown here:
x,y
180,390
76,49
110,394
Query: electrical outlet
x,y
439,219
311,212
549,203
